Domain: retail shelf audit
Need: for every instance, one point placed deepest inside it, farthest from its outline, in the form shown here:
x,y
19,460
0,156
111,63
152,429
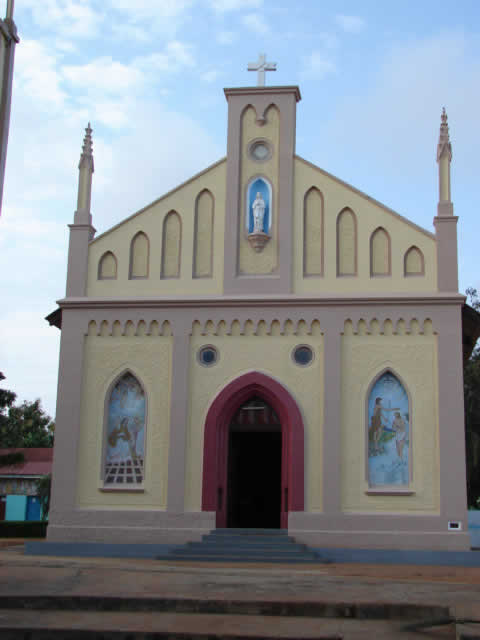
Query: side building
x,y
263,346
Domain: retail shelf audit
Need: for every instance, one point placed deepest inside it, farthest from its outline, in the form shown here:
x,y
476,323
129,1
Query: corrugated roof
x,y
38,462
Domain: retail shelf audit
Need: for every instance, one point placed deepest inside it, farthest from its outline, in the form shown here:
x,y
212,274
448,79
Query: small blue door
x,y
33,508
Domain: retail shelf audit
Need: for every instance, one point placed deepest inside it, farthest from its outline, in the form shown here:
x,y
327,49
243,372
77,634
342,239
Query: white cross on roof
x,y
261,66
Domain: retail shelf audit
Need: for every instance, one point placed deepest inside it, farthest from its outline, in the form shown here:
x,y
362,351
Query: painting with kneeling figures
x,y
388,432
124,459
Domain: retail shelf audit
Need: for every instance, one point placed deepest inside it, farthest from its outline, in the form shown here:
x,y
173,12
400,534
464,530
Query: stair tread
x,y
196,625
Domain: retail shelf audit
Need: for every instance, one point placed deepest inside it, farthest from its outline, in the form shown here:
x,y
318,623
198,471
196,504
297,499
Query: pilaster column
x,y
67,420
178,415
332,476
451,417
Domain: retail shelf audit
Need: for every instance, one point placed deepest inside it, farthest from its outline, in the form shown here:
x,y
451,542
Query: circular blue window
x,y
207,356
302,355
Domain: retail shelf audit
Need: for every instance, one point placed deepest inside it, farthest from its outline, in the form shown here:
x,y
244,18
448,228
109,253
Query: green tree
x,y
471,381
24,425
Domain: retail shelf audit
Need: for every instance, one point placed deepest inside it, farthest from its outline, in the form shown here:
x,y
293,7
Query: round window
x,y
260,150
207,356
303,355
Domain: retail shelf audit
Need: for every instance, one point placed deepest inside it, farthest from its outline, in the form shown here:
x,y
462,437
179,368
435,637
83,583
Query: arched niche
x,y
259,185
139,256
388,432
124,426
171,245
107,266
215,454
313,233
414,262
380,253
346,243
203,235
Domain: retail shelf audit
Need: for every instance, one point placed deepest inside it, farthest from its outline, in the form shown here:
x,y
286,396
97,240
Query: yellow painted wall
x,y
267,260
149,358
150,221
369,215
270,355
413,359
336,195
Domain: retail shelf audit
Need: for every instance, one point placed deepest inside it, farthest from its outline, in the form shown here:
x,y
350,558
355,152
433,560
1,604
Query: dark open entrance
x,y
254,467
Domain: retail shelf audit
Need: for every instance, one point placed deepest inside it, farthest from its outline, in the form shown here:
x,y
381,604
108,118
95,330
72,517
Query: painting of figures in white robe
x,y
124,459
388,433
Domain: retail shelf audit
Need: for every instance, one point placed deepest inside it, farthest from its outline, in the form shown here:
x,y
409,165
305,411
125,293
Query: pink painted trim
x,y
215,454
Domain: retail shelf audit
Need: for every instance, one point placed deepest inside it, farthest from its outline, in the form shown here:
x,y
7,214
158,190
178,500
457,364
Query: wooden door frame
x,y
215,452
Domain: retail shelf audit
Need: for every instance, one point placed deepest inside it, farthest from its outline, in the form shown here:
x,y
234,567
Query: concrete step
x,y
90,625
249,532
210,605
204,557
253,544
247,540
252,553
243,545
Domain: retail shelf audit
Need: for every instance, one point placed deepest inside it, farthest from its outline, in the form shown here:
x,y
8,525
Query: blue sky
x,y
149,75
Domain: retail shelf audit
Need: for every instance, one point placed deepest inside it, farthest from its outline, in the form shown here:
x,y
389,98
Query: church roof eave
x,y
165,195
364,195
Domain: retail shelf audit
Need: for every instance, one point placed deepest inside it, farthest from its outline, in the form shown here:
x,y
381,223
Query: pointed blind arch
x,y
124,449
171,245
380,253
313,233
346,243
139,256
203,235
107,266
414,262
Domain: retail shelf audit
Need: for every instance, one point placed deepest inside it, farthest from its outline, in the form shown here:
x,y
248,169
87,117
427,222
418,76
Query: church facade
x,y
264,346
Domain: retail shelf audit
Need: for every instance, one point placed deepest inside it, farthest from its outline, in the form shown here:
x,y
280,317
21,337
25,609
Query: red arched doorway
x,y
215,454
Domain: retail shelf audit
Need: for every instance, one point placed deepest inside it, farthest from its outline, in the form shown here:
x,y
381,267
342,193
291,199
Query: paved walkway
x,y
457,588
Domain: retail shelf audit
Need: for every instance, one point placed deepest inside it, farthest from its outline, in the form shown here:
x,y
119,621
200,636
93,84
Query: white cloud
x,y
177,148
67,18
256,23
223,6
328,40
28,348
130,32
36,75
103,74
226,37
153,16
210,76
175,57
317,64
350,24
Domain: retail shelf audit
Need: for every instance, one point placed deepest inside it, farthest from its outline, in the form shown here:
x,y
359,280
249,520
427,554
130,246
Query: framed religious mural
x,y
125,438
389,449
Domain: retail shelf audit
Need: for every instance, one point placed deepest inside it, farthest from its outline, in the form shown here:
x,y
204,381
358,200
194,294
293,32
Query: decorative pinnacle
x,y
86,159
444,138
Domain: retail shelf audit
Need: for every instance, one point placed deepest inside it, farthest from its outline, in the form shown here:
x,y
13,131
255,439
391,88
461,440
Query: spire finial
x,y
444,138
86,159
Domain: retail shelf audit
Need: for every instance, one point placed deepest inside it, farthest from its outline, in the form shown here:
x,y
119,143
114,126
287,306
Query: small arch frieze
x,y
253,327
128,328
399,326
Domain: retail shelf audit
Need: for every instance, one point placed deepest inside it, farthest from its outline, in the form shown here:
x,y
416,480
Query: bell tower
x,y
259,200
